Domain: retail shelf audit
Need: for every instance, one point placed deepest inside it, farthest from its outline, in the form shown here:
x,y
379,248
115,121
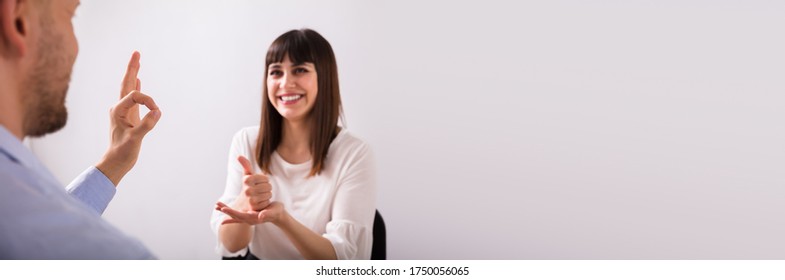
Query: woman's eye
x,y
300,70
276,73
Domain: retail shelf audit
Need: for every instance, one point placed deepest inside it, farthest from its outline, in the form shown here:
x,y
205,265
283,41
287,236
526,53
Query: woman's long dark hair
x,y
303,45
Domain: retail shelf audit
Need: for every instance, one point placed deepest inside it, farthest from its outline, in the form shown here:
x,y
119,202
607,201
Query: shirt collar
x,y
11,147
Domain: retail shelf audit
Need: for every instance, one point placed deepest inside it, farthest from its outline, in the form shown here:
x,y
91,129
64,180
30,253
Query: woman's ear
x,y
14,25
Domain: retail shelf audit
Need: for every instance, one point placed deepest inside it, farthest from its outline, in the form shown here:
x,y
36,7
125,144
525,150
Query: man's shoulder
x,y
43,222
15,178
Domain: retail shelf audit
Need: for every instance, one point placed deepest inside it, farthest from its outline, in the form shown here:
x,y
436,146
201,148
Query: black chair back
x,y
379,248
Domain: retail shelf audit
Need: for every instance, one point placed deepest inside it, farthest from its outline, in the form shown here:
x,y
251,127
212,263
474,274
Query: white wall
x,y
535,130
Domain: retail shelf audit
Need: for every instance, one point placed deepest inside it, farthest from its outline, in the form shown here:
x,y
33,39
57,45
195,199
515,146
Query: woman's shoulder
x,y
247,133
347,142
246,137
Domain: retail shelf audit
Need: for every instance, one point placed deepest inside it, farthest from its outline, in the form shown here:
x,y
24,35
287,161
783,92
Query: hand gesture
x,y
271,214
256,192
127,128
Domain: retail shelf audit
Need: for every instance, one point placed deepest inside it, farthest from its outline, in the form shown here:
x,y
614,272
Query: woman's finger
x,y
231,221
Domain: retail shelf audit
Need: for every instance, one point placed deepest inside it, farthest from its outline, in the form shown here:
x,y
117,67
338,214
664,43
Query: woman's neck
x,y
295,146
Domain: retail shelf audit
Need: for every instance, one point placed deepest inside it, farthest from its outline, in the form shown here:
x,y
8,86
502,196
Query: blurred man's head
x,y
40,45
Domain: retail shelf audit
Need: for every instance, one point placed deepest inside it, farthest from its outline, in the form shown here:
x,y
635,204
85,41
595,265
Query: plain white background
x,y
503,129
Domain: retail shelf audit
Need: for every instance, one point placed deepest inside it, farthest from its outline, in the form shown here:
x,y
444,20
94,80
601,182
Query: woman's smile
x,y
289,99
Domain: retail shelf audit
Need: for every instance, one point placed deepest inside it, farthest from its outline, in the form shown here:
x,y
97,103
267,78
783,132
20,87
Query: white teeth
x,y
291,97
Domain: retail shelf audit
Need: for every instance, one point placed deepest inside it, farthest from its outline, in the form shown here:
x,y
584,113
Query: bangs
x,y
293,43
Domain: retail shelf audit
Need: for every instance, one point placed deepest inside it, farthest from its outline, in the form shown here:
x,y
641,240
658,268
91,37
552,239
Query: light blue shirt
x,y
42,221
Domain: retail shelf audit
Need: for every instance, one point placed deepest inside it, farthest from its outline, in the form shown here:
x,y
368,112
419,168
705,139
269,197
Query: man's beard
x,y
45,89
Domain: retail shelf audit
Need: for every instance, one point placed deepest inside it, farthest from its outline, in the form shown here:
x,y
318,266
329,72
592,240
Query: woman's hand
x,y
257,190
274,213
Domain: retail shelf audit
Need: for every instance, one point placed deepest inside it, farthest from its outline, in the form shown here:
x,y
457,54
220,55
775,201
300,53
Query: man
x,y
40,219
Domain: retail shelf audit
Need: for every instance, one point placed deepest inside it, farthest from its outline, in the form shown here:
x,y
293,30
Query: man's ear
x,y
14,25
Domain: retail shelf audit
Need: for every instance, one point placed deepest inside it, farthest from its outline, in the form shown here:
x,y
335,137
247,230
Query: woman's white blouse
x,y
339,203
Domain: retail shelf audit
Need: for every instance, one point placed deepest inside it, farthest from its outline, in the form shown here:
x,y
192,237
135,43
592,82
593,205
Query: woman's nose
x,y
287,82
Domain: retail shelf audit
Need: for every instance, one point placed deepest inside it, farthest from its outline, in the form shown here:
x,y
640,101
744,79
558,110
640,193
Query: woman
x,y
311,191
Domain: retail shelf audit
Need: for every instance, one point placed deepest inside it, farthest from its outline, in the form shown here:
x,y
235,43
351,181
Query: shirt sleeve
x,y
93,189
351,228
234,176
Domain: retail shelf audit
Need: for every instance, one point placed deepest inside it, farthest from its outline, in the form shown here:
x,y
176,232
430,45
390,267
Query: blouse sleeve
x,y
234,176
351,228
